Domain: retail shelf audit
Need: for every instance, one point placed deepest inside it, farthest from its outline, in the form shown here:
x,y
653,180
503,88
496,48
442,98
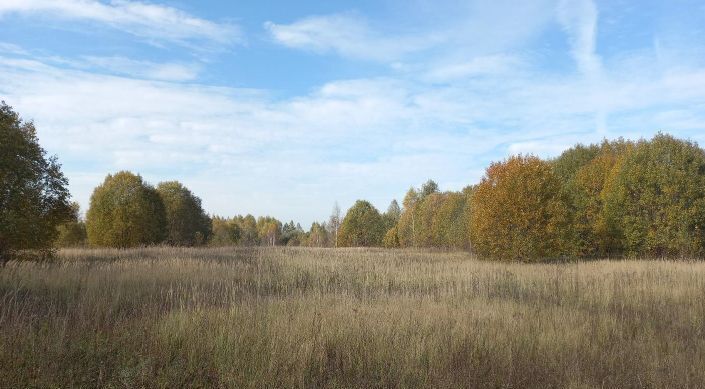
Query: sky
x,y
282,108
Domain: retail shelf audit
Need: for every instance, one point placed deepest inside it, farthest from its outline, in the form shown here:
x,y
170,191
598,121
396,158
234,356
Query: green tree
x,y
248,230
362,226
72,233
292,234
518,212
125,212
391,217
655,198
34,198
428,188
426,211
186,221
566,166
224,231
450,223
413,227
592,234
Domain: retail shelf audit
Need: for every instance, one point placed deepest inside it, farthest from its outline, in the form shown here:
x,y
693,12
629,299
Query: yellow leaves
x,y
517,212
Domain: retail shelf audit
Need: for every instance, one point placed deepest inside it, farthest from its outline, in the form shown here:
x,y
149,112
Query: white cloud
x,y
474,67
151,21
348,35
10,48
475,28
247,151
579,19
145,69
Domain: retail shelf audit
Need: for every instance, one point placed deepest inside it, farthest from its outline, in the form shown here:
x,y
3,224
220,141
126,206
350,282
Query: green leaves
x,y
33,191
362,226
125,212
186,222
657,198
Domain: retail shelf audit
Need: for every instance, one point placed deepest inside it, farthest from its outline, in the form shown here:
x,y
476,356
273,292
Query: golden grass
x,y
295,317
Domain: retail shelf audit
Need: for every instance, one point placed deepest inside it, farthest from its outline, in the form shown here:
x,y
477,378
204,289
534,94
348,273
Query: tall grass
x,y
285,317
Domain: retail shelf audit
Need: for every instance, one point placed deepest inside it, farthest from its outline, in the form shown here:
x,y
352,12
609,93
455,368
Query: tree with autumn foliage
x,y
125,211
269,230
584,171
224,231
449,225
655,199
317,236
518,212
362,226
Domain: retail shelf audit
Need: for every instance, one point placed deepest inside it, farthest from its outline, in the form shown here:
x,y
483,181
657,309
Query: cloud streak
x,y
348,35
145,20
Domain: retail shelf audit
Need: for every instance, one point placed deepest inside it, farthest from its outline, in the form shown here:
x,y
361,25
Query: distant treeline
x,y
613,199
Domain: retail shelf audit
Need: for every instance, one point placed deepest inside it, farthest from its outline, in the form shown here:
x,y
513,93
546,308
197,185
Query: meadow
x,y
306,317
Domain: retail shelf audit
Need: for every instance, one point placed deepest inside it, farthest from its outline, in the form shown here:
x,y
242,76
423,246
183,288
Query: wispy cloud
x,y
9,48
348,35
488,65
347,138
454,96
149,21
579,19
144,69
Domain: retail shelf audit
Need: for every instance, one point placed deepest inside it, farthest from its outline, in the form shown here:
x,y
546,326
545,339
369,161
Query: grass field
x,y
284,317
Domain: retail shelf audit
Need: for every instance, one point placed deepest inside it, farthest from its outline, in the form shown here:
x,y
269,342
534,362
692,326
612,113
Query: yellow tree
x,y
518,212
269,230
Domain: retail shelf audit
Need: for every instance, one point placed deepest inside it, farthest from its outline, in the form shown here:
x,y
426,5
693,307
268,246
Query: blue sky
x,y
283,108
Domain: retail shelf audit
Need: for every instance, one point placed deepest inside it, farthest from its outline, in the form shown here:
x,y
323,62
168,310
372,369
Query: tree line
x,y
617,198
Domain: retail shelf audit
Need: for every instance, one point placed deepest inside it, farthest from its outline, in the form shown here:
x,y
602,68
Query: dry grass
x,y
283,317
